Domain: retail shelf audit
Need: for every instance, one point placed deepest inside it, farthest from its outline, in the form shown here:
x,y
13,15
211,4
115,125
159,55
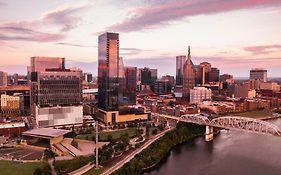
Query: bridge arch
x,y
244,123
197,119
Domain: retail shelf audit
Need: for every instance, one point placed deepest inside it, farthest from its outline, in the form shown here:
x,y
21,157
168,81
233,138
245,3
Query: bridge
x,y
228,122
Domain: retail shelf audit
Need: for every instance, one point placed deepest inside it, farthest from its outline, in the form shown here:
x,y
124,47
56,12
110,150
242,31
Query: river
x,y
230,153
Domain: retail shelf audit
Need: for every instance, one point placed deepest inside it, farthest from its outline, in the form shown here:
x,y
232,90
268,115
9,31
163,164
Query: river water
x,y
230,153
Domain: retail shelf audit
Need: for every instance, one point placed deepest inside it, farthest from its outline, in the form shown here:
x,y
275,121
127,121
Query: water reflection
x,y
231,153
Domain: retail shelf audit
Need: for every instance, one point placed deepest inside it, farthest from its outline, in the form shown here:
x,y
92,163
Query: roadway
x,y
134,153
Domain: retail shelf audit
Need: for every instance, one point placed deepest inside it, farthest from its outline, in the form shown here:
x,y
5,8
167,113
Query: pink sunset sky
x,y
233,35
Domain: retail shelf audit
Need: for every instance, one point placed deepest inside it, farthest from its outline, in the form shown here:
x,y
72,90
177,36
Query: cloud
x,y
64,17
131,51
60,21
265,49
73,44
157,14
18,33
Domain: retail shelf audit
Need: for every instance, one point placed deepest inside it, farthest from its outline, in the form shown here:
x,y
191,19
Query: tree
x,y
38,171
147,127
93,138
154,132
109,137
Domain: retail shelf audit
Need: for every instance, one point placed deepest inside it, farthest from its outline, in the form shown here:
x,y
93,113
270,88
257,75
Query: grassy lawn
x,y
9,168
255,114
94,171
115,134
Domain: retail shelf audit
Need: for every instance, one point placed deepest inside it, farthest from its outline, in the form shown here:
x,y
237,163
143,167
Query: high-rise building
x,y
170,79
3,78
122,99
198,74
180,60
258,74
214,75
205,72
41,64
147,77
108,63
162,87
131,84
188,76
56,92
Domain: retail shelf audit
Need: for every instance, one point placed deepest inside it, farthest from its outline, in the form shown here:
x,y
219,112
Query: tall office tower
x,y
162,86
3,79
170,79
122,100
154,74
205,71
214,75
15,79
258,74
147,76
188,76
180,60
131,84
55,92
108,58
198,74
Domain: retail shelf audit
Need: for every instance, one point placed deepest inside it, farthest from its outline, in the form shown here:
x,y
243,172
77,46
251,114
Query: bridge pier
x,y
209,134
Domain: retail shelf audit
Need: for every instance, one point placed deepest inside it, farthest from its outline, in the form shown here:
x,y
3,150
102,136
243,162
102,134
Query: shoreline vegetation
x,y
157,151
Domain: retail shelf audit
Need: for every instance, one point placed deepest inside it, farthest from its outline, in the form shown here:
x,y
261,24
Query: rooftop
x,y
46,132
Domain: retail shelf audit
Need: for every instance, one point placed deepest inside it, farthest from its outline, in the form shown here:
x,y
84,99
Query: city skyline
x,y
219,32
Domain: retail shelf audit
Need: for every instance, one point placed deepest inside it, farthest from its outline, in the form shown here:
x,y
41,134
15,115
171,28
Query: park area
x,y
13,167
103,136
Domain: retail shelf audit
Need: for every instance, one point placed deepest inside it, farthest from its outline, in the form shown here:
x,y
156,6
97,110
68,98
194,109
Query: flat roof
x,y
46,132
12,125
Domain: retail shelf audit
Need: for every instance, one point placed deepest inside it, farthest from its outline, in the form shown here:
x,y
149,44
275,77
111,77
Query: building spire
x,y
188,57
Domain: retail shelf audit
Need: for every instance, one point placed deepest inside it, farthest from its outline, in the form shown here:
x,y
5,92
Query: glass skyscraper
x,y
180,60
108,71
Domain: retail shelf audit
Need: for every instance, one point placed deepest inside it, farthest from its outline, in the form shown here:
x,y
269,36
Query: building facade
x,y
198,94
258,74
131,84
9,105
180,60
108,63
214,75
162,87
188,76
3,79
56,88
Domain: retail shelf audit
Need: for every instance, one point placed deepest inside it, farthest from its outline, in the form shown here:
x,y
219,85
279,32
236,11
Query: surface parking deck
x,y
20,154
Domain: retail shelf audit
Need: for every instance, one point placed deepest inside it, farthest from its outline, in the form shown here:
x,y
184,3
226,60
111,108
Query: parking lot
x,y
20,153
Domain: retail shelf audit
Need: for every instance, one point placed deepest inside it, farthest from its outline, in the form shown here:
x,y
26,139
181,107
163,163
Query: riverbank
x,y
158,150
232,152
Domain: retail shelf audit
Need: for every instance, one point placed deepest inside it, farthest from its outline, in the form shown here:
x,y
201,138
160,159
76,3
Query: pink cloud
x,y
162,13
61,20
266,49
